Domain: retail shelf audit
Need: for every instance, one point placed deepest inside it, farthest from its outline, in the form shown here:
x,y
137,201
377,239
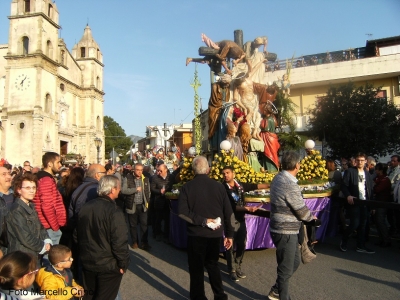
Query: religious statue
x,y
236,145
245,92
225,50
218,109
255,57
245,137
285,84
270,160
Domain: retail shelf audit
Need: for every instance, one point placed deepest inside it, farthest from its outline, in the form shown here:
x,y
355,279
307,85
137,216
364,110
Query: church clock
x,y
22,82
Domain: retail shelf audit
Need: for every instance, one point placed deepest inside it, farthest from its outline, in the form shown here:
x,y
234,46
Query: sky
x,y
145,43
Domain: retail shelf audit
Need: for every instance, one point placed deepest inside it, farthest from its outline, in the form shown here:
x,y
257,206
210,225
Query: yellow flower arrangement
x,y
312,167
243,171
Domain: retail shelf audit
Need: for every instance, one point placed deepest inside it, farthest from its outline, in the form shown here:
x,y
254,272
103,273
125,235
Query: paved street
x,y
163,274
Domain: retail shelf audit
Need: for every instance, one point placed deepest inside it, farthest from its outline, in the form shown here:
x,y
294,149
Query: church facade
x,y
51,99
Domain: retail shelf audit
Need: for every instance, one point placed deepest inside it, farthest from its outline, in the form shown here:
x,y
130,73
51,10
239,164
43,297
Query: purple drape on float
x,y
258,236
177,227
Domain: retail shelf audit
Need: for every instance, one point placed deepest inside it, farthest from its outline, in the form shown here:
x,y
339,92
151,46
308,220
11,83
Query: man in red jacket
x,y
48,200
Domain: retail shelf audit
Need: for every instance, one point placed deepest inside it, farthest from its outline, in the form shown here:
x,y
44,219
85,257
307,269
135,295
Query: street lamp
x,y
309,145
97,143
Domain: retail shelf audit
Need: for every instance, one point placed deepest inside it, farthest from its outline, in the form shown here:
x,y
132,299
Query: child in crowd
x,y
57,278
17,274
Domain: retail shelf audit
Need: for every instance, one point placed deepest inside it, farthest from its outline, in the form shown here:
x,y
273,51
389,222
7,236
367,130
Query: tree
x,y
356,120
288,138
115,137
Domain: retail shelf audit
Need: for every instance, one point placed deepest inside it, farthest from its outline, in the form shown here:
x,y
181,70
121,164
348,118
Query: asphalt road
x,y
162,273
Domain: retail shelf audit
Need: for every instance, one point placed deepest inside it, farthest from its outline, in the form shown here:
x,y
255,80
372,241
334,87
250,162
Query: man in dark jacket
x,y
235,192
357,183
159,185
204,205
103,241
85,192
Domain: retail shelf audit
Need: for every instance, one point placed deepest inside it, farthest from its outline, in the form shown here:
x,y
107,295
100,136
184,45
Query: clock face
x,y
22,82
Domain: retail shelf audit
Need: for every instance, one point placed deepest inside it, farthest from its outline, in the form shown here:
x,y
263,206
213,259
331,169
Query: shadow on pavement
x,y
142,268
392,284
384,257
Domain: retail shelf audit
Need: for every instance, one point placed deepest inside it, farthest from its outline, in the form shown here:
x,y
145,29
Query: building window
x,y
382,95
27,6
49,49
25,44
83,54
98,54
62,87
98,82
62,58
63,119
50,11
98,123
21,125
47,104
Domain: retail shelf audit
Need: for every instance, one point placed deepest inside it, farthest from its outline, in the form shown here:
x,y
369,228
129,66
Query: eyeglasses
x,y
29,188
32,272
68,260
360,160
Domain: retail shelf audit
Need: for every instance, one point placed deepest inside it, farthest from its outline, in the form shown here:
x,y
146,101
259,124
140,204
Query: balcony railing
x,y
317,59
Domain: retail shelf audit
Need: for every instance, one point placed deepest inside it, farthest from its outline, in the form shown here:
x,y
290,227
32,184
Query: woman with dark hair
x,y
382,191
70,183
25,231
74,180
17,273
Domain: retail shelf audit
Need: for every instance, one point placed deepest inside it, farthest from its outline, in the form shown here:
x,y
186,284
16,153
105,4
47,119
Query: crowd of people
x,y
364,179
64,230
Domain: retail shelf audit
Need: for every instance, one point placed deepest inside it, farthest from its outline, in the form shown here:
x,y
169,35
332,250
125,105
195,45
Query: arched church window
x,y
25,44
50,11
47,104
27,6
98,123
83,54
49,49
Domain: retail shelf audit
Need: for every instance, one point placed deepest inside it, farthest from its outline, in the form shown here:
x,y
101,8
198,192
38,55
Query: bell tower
x,y
31,62
27,37
90,59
